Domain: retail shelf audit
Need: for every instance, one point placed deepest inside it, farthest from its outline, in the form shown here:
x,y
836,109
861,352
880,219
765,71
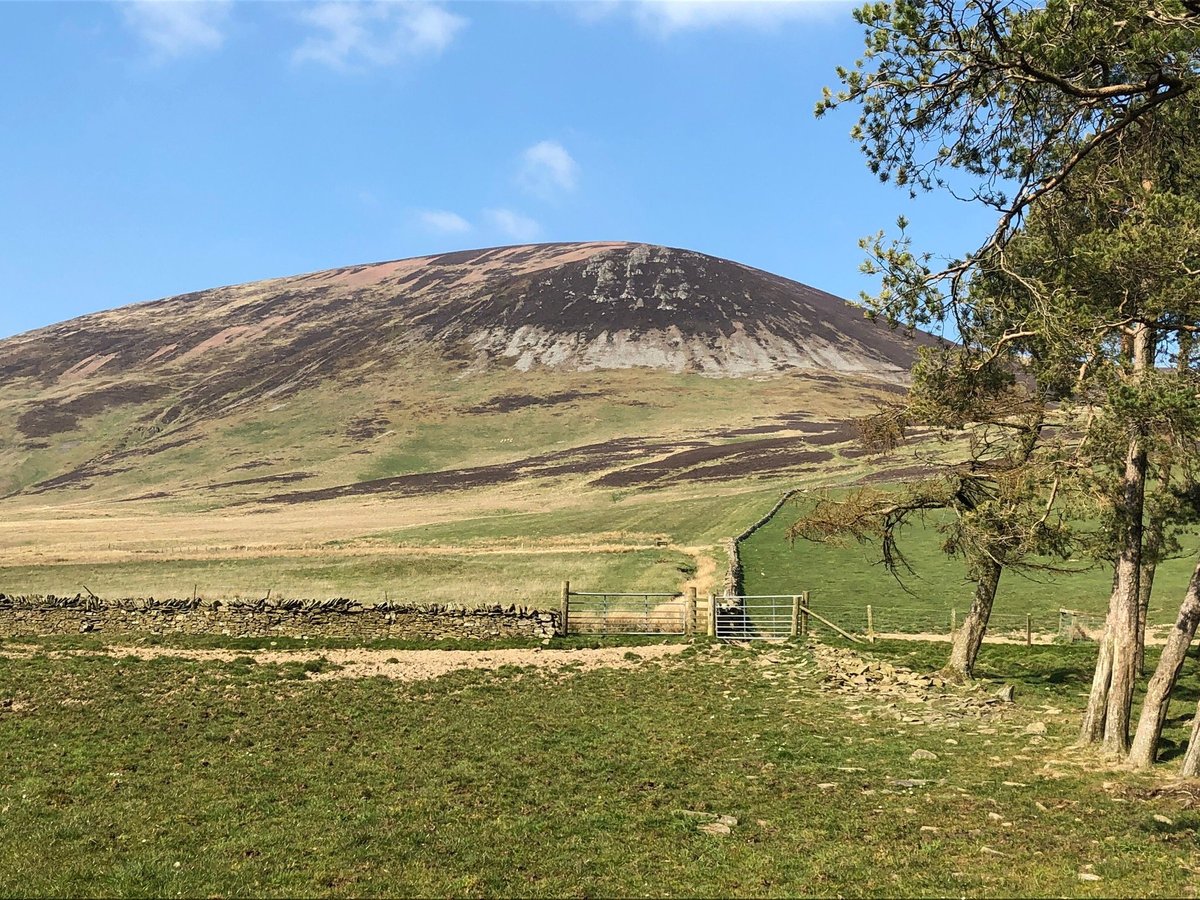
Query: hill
x,y
592,382
562,306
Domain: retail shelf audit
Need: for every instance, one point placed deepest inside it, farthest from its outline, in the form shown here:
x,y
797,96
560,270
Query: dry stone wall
x,y
47,615
734,585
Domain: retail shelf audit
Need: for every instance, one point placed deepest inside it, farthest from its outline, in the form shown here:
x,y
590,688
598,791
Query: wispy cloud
x,y
512,224
547,169
664,18
175,28
349,35
443,221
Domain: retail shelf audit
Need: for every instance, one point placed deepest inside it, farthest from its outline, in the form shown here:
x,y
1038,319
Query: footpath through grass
x,y
175,777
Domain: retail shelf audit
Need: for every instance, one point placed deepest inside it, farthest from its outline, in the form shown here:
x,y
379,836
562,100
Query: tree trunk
x,y
1191,759
970,634
1108,709
1151,548
1145,589
1123,616
1111,699
1158,690
1093,717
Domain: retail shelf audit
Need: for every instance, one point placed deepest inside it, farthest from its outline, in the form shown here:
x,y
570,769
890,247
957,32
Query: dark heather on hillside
x,y
566,307
569,306
153,387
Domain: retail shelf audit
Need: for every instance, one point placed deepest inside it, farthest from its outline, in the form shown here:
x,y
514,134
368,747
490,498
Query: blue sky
x,y
154,148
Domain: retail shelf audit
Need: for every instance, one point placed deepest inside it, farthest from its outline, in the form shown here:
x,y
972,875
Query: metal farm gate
x,y
767,617
760,617
623,612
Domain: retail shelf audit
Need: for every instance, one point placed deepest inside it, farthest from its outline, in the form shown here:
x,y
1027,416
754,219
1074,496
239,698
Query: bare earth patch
x,y
409,665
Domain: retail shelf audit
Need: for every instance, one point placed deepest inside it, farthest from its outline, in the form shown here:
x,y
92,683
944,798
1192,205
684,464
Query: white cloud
x,y
357,34
663,18
442,221
513,225
174,28
548,169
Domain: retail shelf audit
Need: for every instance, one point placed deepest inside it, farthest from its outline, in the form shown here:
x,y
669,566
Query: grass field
x,y
199,507
843,580
171,777
498,554
463,578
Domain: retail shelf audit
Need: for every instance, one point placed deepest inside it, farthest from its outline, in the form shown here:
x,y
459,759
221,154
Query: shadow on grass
x,y
1053,667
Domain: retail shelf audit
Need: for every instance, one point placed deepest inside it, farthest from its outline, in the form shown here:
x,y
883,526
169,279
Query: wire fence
x,y
1035,626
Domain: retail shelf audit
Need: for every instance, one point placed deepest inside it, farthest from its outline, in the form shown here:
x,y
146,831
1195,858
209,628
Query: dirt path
x,y
404,665
705,579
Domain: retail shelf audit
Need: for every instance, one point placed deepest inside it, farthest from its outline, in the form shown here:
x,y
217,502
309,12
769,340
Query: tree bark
x,y
1156,527
1108,711
1191,759
970,634
1107,716
1158,690
1151,549
1093,717
1124,612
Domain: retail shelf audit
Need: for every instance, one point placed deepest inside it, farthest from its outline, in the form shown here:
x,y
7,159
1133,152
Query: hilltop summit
x,y
576,307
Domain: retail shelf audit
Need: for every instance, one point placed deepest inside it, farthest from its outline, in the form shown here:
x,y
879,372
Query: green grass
x,y
1059,674
843,580
167,778
460,579
615,516
431,419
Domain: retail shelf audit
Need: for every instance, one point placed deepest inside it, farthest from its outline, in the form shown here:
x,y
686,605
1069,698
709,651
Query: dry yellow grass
x,y
515,539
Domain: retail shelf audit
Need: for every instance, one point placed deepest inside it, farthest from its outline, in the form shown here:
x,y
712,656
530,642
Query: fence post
x,y
564,614
804,613
953,621
689,612
712,615
1028,630
870,624
795,615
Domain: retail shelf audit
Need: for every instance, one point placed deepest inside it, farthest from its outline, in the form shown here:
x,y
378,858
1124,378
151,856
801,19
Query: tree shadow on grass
x,y
1042,667
1056,666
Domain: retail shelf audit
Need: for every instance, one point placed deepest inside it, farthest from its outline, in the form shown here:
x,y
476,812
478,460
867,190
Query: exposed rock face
x,y
638,305
560,306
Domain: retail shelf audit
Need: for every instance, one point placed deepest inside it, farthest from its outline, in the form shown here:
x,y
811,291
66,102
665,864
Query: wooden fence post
x,y
1028,630
795,615
870,624
564,614
689,612
953,621
712,615
804,613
